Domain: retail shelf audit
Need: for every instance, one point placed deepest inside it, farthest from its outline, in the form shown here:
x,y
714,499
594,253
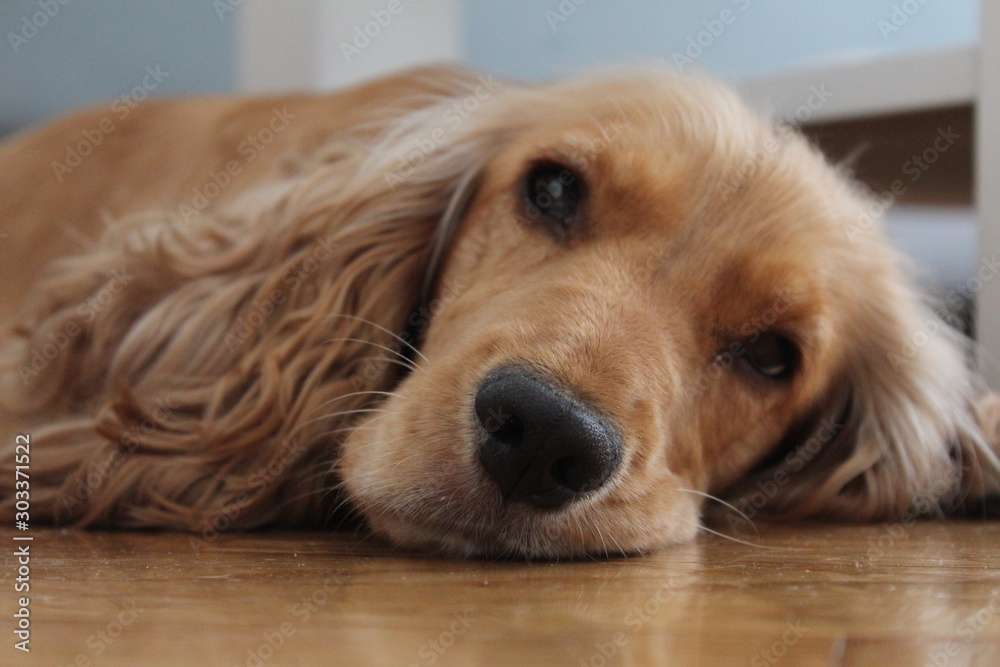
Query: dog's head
x,y
650,295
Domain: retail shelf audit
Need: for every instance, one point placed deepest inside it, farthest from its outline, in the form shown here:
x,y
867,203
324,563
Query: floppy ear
x,y
899,433
200,373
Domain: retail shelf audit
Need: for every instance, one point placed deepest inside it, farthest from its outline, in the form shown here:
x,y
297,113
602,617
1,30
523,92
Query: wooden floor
x,y
807,595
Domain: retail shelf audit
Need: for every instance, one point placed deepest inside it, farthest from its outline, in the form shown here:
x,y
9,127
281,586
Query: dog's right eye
x,y
771,355
554,193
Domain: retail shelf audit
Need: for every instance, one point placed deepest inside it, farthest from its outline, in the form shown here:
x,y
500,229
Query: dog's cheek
x,y
377,461
410,452
356,468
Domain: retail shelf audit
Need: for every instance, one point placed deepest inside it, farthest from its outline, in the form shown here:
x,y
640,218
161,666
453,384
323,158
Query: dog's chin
x,y
520,532
409,534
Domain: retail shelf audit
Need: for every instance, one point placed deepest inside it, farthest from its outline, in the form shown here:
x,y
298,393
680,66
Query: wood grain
x,y
804,595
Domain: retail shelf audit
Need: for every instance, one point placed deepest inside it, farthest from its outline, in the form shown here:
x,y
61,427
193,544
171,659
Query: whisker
x,y
600,533
324,472
299,427
319,493
370,423
382,328
618,545
729,537
723,503
302,425
357,393
403,360
349,412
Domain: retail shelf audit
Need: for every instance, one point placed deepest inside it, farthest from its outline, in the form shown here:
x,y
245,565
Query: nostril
x,y
562,472
510,431
498,420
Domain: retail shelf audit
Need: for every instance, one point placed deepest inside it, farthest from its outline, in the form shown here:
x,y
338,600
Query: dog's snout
x,y
539,444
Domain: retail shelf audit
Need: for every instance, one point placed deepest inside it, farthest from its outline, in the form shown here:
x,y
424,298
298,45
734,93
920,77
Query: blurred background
x,y
889,86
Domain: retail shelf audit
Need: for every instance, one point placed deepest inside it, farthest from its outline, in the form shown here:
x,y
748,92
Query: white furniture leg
x,y
987,196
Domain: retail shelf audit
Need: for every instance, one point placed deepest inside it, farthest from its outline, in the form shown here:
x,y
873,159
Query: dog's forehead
x,y
643,133
650,109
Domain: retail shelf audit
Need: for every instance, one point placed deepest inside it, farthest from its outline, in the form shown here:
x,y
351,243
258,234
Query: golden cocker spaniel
x,y
487,319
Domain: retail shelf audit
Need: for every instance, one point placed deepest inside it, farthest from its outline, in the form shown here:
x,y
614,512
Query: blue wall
x,y
85,51
529,39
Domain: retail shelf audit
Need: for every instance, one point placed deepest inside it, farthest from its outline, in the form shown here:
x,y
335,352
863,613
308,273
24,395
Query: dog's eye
x,y
553,192
771,355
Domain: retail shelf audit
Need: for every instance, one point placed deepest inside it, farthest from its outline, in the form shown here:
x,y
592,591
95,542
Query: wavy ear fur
x,y
204,372
900,433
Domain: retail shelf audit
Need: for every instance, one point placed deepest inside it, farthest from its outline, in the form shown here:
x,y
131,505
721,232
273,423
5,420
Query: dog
x,y
474,317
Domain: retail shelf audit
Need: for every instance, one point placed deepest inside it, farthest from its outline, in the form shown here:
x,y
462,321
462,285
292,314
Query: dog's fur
x,y
194,357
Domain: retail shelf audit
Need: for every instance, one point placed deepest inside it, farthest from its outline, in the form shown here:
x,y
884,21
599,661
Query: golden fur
x,y
200,358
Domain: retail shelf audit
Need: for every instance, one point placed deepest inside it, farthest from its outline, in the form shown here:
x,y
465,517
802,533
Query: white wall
x,y
322,44
277,48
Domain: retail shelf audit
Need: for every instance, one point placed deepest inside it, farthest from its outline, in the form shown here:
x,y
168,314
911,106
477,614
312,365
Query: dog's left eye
x,y
771,355
554,192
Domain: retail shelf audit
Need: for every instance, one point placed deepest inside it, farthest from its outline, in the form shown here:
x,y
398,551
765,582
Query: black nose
x,y
539,444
